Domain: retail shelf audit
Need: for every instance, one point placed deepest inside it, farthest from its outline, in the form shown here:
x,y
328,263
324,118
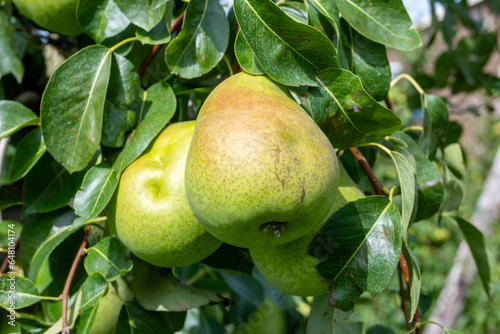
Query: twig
x,y
175,26
403,299
5,262
69,279
377,186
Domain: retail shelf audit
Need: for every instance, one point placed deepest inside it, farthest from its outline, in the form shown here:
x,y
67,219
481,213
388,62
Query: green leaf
x,y
14,116
160,34
98,186
100,19
387,24
415,278
86,320
7,199
245,56
290,52
115,124
18,289
10,61
48,186
321,318
10,230
134,319
435,119
93,289
108,258
359,248
346,113
296,10
44,232
29,150
73,313
72,107
202,42
454,177
245,286
158,107
143,13
480,252
429,181
157,290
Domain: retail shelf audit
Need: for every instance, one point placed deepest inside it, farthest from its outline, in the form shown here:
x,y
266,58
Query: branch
x,y
5,262
377,186
69,279
403,299
175,26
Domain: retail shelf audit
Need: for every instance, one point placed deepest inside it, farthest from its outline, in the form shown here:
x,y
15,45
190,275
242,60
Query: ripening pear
x,y
54,15
150,212
289,267
259,170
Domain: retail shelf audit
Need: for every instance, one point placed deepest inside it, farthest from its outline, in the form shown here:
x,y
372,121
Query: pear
x,y
289,267
259,170
54,15
152,216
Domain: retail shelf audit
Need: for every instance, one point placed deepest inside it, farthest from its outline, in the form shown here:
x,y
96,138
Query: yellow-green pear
x,y
152,215
289,267
259,170
54,15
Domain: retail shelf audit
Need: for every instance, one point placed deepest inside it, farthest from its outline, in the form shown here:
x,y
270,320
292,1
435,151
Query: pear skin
x,y
289,267
152,215
259,170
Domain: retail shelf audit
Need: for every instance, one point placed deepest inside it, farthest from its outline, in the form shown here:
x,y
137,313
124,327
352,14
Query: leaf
x,y
325,319
290,52
108,258
7,199
115,124
480,252
73,313
157,290
363,243
86,320
72,107
14,116
296,10
454,178
48,186
245,56
18,289
387,24
160,34
435,119
98,186
143,13
100,19
134,319
10,230
346,113
245,286
202,42
44,232
10,61
429,181
415,278
29,150
93,289
158,107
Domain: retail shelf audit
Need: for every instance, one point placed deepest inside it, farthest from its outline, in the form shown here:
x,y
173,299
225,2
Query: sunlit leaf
x,y
245,56
108,258
93,289
29,150
14,116
143,13
19,289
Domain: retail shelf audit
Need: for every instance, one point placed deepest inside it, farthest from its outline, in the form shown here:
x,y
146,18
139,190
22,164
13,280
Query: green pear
x,y
289,267
54,15
259,170
108,312
152,215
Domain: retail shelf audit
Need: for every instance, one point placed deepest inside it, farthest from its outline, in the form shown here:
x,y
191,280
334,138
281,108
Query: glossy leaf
x,y
290,52
7,199
158,107
157,290
10,61
454,177
72,107
346,113
14,116
359,249
245,56
143,13
160,34
100,19
24,292
202,42
86,320
98,186
435,119
115,124
29,150
48,186
108,258
45,232
429,181
93,289
124,83
134,319
387,24
415,278
296,10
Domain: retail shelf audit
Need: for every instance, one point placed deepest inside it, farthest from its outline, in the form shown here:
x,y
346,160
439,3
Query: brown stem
x,y
377,186
389,103
69,279
175,26
403,299
5,262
